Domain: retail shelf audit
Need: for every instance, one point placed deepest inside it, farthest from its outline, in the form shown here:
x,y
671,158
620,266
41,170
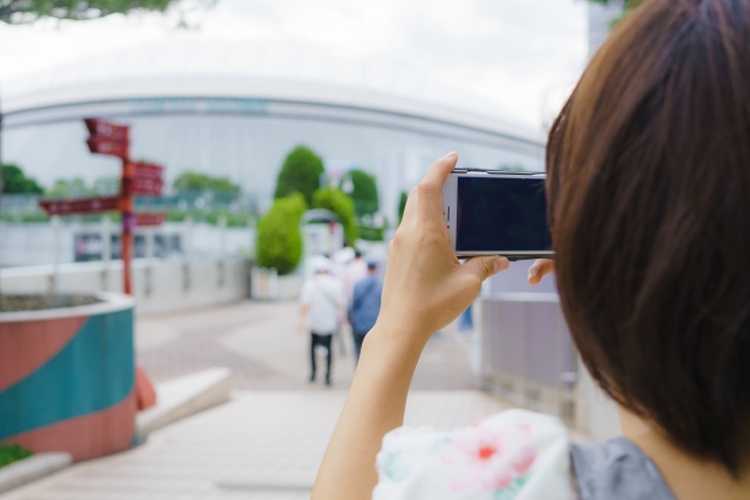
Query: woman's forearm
x,y
425,288
374,406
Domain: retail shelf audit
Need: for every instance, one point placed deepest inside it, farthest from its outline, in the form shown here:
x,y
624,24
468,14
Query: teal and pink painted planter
x,y
67,378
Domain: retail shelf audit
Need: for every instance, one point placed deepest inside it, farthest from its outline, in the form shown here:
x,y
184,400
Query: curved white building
x,y
234,110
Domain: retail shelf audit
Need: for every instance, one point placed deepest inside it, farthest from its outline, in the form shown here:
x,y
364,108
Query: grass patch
x,y
10,453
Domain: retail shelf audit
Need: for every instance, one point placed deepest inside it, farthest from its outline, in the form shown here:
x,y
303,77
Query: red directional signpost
x,y
149,219
137,178
80,205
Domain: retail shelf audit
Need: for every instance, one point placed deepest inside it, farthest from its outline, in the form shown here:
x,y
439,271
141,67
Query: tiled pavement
x,y
268,441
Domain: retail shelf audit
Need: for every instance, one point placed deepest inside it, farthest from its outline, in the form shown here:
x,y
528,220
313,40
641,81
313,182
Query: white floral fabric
x,y
513,455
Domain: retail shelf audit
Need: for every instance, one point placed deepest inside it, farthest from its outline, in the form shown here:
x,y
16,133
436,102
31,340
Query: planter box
x,y
266,284
67,378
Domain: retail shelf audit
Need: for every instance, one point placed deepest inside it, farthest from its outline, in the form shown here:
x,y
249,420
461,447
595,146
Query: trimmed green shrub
x,y
10,453
279,242
300,174
364,192
338,202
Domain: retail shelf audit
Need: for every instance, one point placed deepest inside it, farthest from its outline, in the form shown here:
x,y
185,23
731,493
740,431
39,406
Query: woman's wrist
x,y
399,336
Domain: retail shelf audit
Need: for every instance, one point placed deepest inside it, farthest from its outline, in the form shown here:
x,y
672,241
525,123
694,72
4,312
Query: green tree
x,y
104,186
627,6
335,200
69,188
25,11
364,191
279,242
300,173
192,181
15,182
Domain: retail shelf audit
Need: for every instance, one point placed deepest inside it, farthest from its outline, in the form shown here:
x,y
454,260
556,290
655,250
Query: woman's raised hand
x,y
426,287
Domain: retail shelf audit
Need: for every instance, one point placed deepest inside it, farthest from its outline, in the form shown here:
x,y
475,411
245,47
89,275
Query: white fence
x,y
159,285
60,240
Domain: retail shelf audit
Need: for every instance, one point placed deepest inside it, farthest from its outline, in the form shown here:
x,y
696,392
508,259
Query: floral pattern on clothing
x,y
514,455
481,455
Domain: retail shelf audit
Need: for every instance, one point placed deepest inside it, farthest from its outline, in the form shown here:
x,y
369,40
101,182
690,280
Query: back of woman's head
x,y
649,196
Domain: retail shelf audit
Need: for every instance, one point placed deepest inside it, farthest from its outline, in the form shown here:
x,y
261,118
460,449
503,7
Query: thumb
x,y
484,267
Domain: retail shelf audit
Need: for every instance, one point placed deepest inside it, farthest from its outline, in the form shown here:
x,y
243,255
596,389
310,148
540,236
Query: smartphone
x,y
497,213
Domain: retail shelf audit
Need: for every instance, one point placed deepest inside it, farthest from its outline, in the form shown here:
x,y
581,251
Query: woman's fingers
x,y
539,269
430,188
425,201
484,267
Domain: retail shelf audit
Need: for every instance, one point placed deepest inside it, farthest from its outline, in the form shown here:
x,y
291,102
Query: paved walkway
x,y
268,441
260,344
264,445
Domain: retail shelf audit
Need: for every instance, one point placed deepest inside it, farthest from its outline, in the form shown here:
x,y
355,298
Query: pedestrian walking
x,y
355,271
364,307
321,305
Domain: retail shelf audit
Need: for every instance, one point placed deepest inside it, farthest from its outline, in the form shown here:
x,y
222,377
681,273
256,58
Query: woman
x,y
649,206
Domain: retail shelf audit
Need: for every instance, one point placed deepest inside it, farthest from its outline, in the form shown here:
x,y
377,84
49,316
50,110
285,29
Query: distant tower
x,y
600,17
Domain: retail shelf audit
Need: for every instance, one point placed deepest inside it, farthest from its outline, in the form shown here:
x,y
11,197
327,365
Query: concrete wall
x,y
159,285
527,355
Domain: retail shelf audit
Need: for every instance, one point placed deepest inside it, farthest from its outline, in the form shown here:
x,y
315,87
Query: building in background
x,y
233,109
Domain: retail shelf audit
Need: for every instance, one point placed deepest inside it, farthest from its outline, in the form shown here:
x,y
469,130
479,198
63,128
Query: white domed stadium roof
x,y
222,69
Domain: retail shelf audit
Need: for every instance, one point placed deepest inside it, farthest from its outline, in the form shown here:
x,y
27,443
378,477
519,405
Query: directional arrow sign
x,y
80,206
150,219
107,130
105,146
143,170
146,186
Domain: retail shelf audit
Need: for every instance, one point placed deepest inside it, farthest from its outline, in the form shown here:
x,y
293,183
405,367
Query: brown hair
x,y
649,195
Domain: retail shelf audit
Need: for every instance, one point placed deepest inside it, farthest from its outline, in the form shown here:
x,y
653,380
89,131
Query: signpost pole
x,y
137,178
128,222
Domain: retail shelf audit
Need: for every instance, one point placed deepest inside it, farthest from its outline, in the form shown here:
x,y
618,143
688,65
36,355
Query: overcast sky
x,y
522,55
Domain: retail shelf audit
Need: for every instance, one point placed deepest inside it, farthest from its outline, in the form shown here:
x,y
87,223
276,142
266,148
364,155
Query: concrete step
x,y
184,396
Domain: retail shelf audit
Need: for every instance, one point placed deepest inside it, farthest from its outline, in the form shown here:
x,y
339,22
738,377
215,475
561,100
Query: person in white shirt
x,y
322,304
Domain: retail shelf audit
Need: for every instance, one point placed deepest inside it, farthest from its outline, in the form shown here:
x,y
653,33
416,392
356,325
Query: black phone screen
x,y
501,214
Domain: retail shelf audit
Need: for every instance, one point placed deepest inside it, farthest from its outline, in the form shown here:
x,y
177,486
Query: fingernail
x,y
451,154
532,273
